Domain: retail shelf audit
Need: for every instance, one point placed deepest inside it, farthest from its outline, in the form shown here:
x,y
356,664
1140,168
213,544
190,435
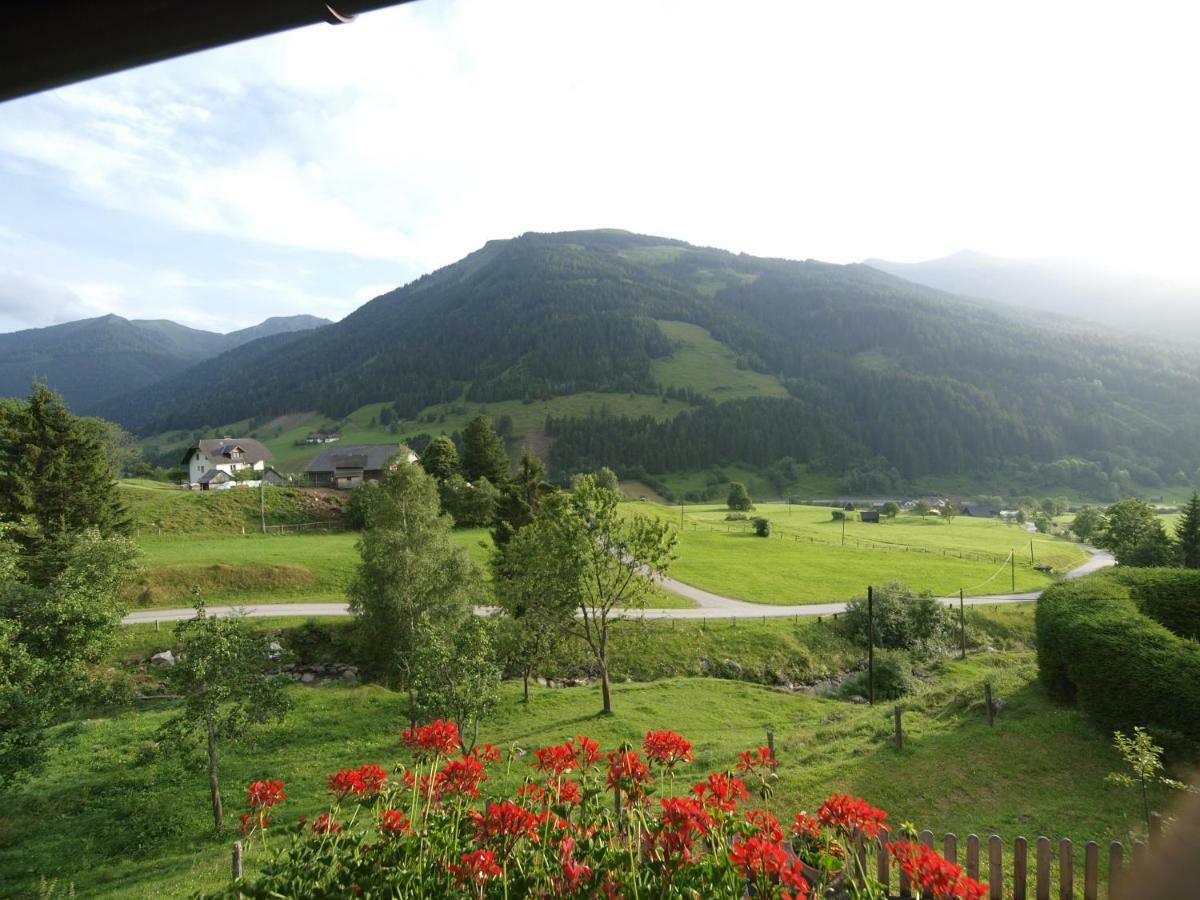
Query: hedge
x,y
1096,645
1171,597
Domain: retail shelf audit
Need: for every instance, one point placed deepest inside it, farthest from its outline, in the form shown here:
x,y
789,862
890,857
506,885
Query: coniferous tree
x,y
520,498
483,452
440,459
1187,534
55,475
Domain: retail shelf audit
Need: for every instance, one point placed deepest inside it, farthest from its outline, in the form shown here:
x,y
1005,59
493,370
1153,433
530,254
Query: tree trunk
x,y
218,813
525,675
605,691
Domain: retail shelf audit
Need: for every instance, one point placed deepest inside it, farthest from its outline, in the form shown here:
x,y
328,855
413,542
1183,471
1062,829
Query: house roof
x,y
219,449
370,457
213,475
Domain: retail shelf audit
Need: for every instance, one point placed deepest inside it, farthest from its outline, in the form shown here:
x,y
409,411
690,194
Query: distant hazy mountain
x,y
1067,288
93,360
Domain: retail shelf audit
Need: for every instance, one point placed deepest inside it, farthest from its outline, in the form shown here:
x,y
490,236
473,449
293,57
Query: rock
x,y
541,682
353,670
857,698
308,678
349,676
164,659
998,704
274,650
732,667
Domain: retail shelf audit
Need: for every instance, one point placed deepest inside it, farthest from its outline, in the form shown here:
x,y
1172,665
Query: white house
x,y
227,455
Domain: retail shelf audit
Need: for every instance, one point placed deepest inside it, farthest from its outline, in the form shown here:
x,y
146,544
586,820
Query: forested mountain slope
x,y
879,376
93,360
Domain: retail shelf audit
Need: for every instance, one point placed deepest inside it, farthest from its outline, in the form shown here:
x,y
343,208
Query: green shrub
x,y
1171,597
1096,646
736,517
893,678
762,527
903,620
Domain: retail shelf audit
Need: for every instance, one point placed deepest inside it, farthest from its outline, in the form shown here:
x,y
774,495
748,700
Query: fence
x,y
1025,883
302,526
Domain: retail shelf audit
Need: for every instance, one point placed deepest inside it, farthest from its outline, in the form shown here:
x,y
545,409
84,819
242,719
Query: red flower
x,y
438,738
806,825
324,824
761,861
588,751
264,794
486,753
627,771
937,878
505,823
393,822
566,792
460,777
558,760
673,837
475,868
852,814
366,779
721,791
667,747
761,758
764,825
574,873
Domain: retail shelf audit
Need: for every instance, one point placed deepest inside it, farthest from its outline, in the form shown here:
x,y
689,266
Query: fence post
x,y
1043,868
896,712
871,645
1091,871
771,741
962,625
1115,853
950,848
987,696
883,872
973,856
1066,869
236,867
995,869
1020,867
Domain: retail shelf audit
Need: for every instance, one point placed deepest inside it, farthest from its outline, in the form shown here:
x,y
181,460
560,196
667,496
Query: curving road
x,y
708,605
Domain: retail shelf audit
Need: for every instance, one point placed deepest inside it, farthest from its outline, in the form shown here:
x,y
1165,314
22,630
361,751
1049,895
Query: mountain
x,y
854,371
93,360
1062,287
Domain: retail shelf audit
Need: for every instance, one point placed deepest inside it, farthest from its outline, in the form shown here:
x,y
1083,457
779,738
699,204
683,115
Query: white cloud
x,y
835,131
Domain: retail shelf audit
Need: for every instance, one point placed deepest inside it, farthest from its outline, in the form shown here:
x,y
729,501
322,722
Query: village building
x,y
208,458
350,465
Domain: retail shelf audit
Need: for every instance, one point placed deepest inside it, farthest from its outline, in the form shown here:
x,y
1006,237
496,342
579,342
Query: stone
x,y
998,704
274,650
163,659
308,678
857,698
732,667
349,676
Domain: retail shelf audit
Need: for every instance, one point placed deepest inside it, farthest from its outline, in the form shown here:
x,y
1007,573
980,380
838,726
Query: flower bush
x,y
583,824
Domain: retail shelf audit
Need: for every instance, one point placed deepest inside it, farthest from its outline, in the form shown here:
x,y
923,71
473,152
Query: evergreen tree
x,y
483,452
520,498
55,474
1187,534
440,459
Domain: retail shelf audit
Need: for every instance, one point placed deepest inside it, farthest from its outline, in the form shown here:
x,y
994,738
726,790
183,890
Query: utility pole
x,y
871,645
843,528
1012,559
1031,551
681,515
262,502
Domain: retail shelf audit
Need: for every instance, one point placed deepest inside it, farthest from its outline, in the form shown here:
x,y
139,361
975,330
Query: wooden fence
x,y
1022,873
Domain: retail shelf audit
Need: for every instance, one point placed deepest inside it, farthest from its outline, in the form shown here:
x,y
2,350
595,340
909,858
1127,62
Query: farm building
x,y
350,465
226,455
869,515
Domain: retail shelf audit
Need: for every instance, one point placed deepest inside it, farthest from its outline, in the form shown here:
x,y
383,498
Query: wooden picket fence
x,y
1018,876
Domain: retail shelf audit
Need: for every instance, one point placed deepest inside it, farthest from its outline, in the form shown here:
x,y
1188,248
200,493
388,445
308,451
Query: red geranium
x,y
806,825
937,878
324,824
852,814
460,777
764,825
438,738
627,772
721,791
393,822
763,862
475,869
752,760
264,794
505,823
667,748
366,779
556,760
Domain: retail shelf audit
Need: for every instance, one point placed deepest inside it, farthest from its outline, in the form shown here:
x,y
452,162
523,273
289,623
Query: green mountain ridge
x,y
859,372
90,361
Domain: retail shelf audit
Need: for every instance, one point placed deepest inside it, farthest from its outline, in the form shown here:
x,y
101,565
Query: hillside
x,y
1060,287
93,360
843,369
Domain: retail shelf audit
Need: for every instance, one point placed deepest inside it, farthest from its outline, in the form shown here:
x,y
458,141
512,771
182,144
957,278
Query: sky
x,y
310,171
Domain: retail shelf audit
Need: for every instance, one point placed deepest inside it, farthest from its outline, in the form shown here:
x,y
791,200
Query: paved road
x,y
708,605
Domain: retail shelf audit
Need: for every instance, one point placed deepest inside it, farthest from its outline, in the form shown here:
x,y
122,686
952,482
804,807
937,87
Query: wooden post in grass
x,y
987,698
771,741
1012,559
1031,552
236,862
962,625
871,645
156,626
896,713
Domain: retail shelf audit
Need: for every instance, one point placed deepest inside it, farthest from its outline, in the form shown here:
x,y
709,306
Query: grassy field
x,y
156,507
708,366
804,560
131,822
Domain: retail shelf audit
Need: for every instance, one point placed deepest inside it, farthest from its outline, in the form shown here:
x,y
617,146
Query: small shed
x,y
869,515
214,480
349,466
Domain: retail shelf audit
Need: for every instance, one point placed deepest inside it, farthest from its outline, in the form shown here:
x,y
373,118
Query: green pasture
x,y
134,822
805,561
